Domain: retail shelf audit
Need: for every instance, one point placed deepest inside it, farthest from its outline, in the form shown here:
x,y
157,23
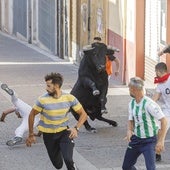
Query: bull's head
x,y
96,55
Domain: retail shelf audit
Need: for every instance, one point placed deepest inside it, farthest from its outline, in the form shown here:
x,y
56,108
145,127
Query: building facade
x,y
139,29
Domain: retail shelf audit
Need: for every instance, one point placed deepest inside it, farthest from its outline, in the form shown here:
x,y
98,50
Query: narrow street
x,y
23,68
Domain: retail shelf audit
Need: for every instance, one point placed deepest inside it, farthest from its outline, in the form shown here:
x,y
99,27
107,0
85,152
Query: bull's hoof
x,y
104,111
96,92
91,129
113,123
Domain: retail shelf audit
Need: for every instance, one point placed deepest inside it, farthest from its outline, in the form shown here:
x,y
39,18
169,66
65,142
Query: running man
x,y
144,134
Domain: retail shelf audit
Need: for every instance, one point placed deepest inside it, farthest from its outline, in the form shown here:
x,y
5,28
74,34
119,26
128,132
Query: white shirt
x,y
164,89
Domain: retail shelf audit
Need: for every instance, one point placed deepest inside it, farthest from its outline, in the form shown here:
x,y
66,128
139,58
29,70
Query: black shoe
x,y
158,158
7,89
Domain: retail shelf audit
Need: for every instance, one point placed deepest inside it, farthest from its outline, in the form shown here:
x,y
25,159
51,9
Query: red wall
x,y
117,41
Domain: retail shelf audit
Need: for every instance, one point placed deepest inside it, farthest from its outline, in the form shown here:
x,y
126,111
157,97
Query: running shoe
x,y
7,89
14,141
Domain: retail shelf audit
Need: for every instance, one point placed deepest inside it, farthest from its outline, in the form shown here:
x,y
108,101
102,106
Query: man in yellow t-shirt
x,y
54,107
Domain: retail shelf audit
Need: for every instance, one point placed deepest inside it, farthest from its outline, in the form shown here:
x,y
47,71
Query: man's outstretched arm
x,y
6,112
166,49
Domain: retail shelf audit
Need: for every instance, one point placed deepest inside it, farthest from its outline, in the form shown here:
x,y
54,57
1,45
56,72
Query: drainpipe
x,y
29,21
60,28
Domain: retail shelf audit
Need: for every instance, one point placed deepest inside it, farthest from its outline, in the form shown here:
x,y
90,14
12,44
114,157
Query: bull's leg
x,y
88,83
103,98
110,122
86,123
103,108
89,128
103,101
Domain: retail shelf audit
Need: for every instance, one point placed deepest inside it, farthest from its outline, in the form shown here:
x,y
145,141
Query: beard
x,y
132,95
51,93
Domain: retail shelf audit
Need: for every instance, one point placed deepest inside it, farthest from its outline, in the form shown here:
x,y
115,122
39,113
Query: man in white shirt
x,y
22,110
162,91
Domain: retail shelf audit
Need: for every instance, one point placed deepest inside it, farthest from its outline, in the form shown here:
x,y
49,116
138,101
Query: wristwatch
x,y
76,128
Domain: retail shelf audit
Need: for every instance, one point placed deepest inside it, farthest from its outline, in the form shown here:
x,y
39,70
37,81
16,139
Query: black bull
x,y
92,76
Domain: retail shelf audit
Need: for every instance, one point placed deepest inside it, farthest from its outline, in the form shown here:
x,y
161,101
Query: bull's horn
x,y
112,48
87,47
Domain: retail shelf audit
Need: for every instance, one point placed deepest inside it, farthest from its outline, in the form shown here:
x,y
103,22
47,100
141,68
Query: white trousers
x,y
24,109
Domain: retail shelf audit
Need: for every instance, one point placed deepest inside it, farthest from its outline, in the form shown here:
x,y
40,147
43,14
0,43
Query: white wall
x,y
7,16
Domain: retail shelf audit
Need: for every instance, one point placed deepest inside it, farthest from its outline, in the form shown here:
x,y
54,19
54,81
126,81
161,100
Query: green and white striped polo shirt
x,y
145,116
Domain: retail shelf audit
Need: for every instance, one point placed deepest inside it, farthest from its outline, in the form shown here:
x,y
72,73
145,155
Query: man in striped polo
x,y
54,107
143,133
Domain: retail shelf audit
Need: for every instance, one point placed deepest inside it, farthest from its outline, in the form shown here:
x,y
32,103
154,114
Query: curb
x,y
82,163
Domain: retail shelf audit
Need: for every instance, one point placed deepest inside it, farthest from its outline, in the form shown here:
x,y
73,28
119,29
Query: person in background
x,y
109,60
143,131
109,68
22,110
162,91
54,107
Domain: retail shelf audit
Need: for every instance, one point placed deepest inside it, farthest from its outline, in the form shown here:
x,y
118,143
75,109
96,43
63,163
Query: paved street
x,y
22,67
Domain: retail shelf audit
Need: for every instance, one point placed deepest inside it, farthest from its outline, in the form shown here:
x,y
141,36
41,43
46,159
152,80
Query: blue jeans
x,y
139,146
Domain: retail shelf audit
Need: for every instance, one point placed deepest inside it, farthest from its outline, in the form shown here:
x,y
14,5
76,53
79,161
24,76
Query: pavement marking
x,y
82,163
165,166
26,85
118,91
36,63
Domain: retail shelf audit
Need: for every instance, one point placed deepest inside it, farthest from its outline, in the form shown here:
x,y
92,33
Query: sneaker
x,y
158,158
7,89
14,141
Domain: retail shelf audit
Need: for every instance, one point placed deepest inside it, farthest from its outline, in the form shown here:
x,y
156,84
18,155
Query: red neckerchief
x,y
161,79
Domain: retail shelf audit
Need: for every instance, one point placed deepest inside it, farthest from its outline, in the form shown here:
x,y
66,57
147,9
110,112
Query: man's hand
x,y
73,133
129,135
31,139
159,147
2,119
160,53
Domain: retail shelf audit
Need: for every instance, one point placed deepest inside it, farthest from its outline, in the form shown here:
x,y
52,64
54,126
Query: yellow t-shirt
x,y
54,112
